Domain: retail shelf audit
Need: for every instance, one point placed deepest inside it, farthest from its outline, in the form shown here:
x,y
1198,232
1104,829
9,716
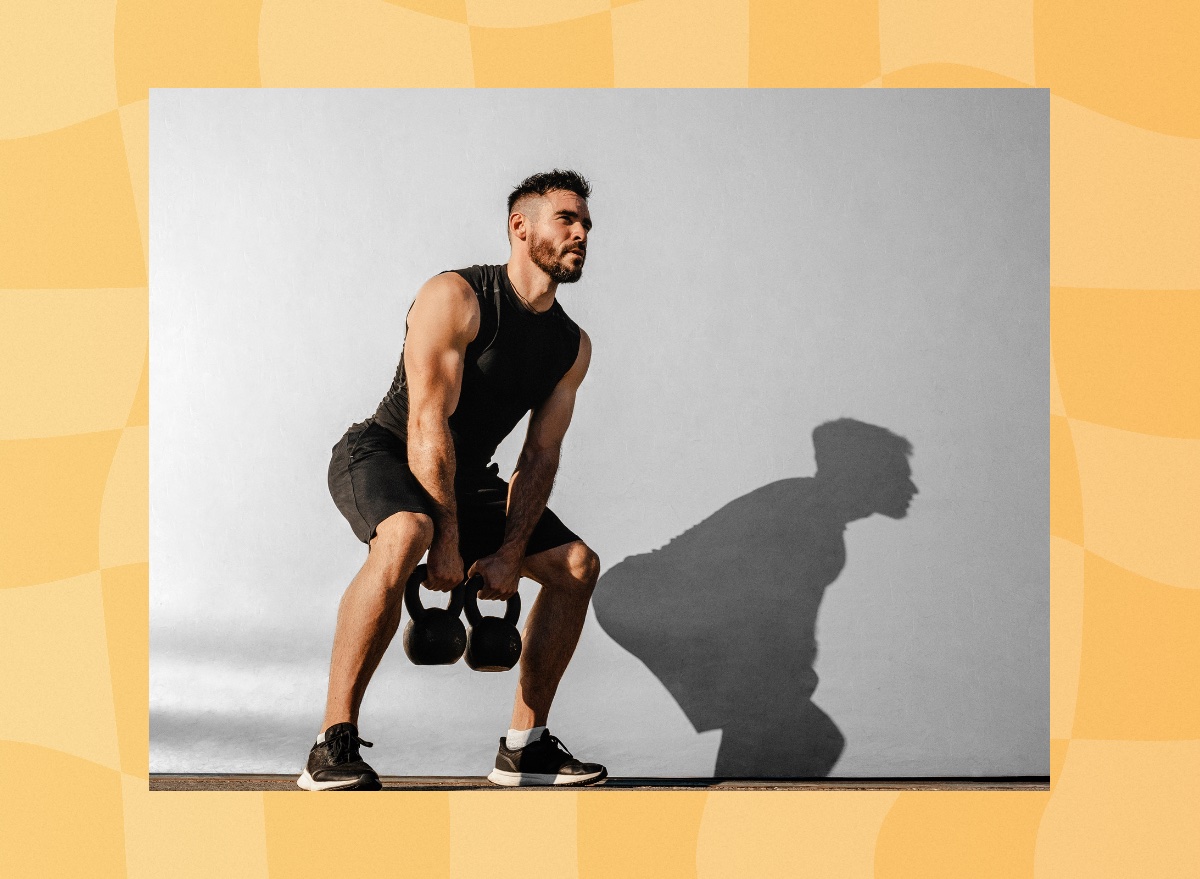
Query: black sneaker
x,y
546,761
335,764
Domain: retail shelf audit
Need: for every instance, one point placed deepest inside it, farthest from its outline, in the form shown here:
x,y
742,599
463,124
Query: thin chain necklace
x,y
528,307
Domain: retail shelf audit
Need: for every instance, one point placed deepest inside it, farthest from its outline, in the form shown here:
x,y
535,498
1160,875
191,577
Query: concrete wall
x,y
763,262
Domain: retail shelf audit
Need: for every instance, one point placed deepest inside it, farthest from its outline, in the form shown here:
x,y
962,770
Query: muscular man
x,y
483,346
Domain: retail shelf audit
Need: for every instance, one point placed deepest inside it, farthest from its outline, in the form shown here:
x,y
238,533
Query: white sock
x,y
321,735
519,738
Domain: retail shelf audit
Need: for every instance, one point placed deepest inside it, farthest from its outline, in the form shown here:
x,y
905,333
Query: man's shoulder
x,y
479,276
446,298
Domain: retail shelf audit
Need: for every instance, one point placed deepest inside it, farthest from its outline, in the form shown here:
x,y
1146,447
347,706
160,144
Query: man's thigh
x,y
482,514
370,481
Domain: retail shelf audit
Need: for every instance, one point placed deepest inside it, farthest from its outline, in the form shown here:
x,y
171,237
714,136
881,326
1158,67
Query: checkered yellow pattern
x,y
1125,435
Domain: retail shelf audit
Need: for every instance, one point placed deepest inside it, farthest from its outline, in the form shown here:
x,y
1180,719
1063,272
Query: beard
x,y
546,258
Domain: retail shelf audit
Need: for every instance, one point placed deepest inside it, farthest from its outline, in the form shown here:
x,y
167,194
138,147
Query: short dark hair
x,y
548,181
846,444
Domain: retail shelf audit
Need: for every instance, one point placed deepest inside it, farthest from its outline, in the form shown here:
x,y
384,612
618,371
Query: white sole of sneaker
x,y
306,781
531,779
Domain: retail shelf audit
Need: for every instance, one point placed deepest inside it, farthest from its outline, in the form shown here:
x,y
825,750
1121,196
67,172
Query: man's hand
x,y
445,566
501,574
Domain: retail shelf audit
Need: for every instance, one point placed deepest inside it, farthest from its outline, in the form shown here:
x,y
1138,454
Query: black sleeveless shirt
x,y
510,367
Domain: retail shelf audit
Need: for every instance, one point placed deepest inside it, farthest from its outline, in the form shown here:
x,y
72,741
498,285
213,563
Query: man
x,y
483,347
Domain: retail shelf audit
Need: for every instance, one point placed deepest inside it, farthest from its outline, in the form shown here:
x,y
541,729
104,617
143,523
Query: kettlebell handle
x,y
511,613
412,595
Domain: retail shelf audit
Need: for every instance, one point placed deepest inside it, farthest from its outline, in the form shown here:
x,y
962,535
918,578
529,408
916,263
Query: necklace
x,y
525,302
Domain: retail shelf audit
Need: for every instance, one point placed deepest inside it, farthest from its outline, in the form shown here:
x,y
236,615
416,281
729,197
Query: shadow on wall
x,y
725,614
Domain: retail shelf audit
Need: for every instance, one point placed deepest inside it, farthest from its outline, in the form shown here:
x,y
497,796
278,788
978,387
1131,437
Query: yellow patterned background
x,y
1125,436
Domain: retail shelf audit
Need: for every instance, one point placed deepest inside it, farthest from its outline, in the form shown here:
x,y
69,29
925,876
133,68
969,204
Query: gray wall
x,y
762,262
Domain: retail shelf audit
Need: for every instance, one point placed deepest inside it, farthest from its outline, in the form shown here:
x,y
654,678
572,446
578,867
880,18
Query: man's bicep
x,y
434,380
443,320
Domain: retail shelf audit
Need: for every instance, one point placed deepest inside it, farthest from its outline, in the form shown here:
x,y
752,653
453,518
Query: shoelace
x,y
557,743
343,748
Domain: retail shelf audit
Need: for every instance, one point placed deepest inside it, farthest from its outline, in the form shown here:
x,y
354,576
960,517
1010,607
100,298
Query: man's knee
x,y
402,535
582,567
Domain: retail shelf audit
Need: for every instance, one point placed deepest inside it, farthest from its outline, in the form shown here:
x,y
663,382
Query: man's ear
x,y
516,225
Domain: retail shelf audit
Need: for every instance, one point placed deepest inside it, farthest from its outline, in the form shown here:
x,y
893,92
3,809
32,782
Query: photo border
x,y
1125,436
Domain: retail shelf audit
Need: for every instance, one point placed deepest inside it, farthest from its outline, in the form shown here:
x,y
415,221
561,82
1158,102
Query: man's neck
x,y
533,285
839,500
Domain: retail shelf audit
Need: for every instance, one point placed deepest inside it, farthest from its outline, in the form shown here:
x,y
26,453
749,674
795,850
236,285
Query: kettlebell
x,y
493,643
434,635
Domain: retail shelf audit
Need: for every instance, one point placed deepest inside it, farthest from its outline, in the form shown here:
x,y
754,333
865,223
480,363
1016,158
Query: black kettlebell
x,y
493,644
434,635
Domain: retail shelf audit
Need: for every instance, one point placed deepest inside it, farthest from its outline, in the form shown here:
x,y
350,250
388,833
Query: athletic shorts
x,y
370,480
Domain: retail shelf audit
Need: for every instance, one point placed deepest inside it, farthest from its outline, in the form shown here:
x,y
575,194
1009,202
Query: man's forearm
x,y
431,459
528,492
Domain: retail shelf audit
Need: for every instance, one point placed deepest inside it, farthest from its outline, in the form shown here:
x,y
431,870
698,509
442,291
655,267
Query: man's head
x,y
867,464
548,221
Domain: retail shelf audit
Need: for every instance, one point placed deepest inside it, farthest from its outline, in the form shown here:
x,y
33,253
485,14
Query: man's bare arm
x,y
443,320
529,488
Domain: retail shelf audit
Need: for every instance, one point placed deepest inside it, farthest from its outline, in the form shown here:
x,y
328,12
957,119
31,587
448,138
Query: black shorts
x,y
370,480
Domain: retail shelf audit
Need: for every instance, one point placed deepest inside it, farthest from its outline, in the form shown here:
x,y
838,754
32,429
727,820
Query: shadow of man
x,y
725,614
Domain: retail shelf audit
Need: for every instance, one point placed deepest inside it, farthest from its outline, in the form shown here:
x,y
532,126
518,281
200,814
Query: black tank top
x,y
510,367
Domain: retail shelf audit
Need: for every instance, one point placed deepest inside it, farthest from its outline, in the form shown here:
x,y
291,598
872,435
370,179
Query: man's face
x,y
558,231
